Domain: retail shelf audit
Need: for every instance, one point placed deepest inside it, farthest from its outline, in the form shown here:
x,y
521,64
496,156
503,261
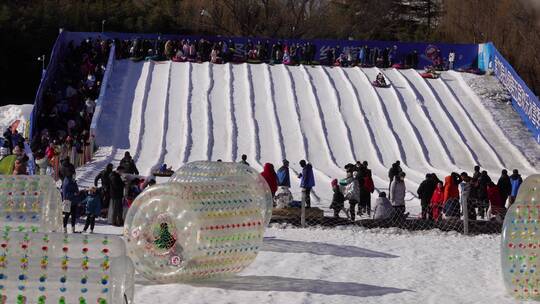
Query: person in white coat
x,y
397,193
383,208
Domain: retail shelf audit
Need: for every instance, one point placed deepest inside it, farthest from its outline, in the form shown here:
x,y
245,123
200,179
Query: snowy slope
x,y
178,112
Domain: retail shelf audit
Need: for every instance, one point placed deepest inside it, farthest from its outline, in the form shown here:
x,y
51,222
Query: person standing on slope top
x,y
307,182
283,175
505,186
244,160
515,180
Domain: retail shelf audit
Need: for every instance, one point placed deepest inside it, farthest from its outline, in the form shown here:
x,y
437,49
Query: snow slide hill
x,y
180,112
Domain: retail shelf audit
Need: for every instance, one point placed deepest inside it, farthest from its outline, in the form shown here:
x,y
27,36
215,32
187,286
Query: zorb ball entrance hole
x,y
208,221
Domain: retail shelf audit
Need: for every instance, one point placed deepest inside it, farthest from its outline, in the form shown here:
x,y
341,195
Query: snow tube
x,y
379,85
399,66
429,75
166,173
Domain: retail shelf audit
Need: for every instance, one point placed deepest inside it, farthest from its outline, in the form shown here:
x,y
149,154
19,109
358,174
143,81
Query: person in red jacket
x,y
437,201
451,189
270,176
495,202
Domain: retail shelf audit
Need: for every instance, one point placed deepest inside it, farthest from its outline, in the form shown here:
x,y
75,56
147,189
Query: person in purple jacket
x,y
307,181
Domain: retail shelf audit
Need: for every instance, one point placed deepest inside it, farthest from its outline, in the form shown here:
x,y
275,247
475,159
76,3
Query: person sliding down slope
x,y
380,81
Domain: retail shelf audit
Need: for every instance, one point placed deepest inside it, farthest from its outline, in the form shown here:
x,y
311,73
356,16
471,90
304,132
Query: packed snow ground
x,y
179,112
349,265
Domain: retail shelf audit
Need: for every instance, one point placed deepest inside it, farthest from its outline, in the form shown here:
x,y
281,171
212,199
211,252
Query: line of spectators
x,y
263,51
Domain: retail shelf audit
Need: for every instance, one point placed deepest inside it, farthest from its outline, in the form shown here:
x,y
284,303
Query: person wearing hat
x,y
338,200
93,209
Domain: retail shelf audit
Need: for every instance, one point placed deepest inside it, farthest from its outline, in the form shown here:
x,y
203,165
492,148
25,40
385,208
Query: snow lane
x,y
432,148
231,116
321,176
264,116
401,127
188,132
245,140
385,136
311,123
255,158
354,120
512,157
199,112
327,101
463,156
486,157
387,146
139,106
220,112
152,132
166,114
270,91
293,141
177,119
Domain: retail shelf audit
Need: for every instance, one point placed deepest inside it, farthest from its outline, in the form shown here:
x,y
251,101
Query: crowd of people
x,y
439,199
67,108
110,197
262,51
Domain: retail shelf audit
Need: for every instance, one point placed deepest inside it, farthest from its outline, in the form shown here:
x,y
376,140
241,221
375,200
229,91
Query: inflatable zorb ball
x,y
207,222
31,202
520,245
63,269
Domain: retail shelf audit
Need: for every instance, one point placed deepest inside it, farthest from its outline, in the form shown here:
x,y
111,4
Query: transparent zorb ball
x,y
203,224
30,201
60,268
520,242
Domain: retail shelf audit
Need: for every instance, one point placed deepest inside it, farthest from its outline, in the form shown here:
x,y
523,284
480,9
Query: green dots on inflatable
x,y
520,243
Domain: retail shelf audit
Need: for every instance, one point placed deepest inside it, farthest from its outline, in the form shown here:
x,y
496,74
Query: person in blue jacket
x,y
70,197
93,209
515,181
307,182
283,175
